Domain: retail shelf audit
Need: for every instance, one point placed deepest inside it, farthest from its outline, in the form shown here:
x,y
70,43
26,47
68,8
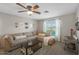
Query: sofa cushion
x,y
20,37
29,34
32,37
15,40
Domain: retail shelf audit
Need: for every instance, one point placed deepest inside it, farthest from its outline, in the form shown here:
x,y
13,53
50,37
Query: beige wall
x,y
7,24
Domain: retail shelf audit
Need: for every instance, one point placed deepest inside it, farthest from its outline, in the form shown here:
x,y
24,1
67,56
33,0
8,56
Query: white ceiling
x,y
55,9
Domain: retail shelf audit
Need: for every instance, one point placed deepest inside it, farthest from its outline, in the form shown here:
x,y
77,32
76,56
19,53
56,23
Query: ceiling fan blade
x,y
21,5
36,12
22,11
35,7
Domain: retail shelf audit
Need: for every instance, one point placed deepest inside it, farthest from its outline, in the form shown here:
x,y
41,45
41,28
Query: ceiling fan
x,y
29,8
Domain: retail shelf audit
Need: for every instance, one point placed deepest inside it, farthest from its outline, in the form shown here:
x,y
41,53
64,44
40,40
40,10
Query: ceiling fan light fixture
x,y
29,13
30,9
35,6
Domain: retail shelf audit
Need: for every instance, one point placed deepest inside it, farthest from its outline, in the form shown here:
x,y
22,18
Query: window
x,y
52,26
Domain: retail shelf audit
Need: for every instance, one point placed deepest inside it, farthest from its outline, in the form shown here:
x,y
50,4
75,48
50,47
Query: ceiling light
x,y
29,13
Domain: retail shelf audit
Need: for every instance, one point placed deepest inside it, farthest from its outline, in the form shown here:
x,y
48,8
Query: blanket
x,y
48,40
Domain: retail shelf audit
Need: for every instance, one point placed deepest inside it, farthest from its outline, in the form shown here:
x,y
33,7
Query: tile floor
x,y
56,49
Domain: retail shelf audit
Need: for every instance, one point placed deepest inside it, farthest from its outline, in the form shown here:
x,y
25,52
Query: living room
x,y
50,23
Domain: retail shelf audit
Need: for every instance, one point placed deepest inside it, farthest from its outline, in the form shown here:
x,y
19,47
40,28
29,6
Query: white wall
x,y
7,24
78,12
67,22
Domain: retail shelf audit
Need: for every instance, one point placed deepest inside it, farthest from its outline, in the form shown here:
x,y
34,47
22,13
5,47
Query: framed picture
x,y
26,23
16,25
26,27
